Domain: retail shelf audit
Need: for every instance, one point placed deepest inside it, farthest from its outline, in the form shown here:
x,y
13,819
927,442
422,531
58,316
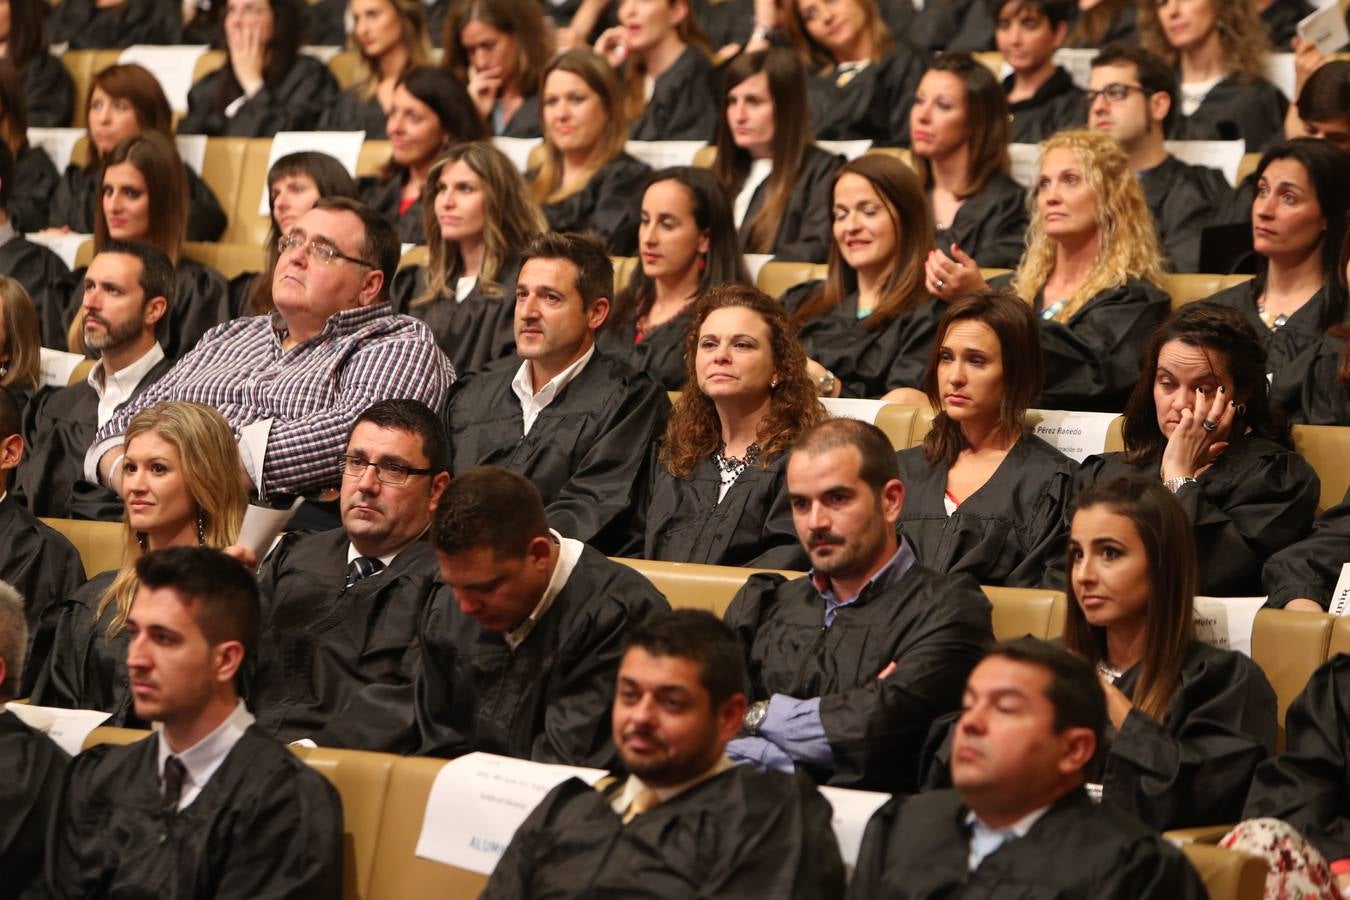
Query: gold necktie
x,y
644,801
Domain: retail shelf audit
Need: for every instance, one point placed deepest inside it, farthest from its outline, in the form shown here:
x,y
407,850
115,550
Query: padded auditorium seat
x,y
229,260
1228,875
111,735
1340,637
1289,646
99,543
362,781
695,586
1018,612
1185,289
1327,450
776,277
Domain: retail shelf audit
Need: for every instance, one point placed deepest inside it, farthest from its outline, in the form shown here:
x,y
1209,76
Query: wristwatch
x,y
1174,484
754,717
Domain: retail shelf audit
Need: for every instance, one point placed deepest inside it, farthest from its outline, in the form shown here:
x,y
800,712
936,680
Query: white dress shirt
x,y
760,170
533,402
985,840
116,388
569,551
203,758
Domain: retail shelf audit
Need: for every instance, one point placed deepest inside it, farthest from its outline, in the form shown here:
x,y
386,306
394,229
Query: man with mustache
x,y
128,289
342,606
850,665
575,421
1019,822
686,820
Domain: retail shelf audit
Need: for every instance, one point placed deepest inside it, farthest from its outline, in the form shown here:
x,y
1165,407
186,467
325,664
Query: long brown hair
x,y
791,137
986,119
1013,322
13,109
547,181
1242,36
634,75
22,340
412,20
157,159
1169,543
523,20
694,431
136,86
822,60
907,206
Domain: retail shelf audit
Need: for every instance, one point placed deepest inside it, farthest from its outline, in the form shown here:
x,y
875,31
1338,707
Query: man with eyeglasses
x,y
341,607
292,382
1131,97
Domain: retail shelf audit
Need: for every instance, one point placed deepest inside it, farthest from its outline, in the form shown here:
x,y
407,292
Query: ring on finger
x,y
1209,425
941,284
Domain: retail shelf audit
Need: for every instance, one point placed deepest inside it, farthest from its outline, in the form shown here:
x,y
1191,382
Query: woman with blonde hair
x,y
479,220
20,343
668,79
498,49
182,486
1090,272
586,182
719,493
1220,49
391,36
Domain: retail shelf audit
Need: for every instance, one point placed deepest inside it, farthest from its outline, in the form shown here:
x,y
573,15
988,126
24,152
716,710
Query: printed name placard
x,y
1077,435
852,810
1226,622
1340,598
344,146
66,727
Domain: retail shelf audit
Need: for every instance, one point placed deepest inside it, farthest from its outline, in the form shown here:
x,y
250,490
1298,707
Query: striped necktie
x,y
361,567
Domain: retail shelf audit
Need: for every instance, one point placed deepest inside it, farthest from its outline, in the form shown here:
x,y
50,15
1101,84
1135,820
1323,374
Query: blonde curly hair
x,y
1243,37
1127,241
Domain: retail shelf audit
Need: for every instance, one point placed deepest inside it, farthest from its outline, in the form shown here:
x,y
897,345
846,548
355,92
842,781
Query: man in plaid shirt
x,y
291,383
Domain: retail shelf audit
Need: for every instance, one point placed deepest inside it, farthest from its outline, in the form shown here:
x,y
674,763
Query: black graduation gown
x,y
1184,200
85,27
35,267
1122,29
202,302
294,104
1093,360
1309,389
874,104
587,452
990,225
1309,569
684,104
725,21
326,25
1306,785
740,834
352,111
474,331
58,427
45,569
934,627
1257,498
550,699
323,645
31,771
49,90
265,825
1281,19
609,205
1056,105
85,668
751,526
660,353
920,847
524,122
804,232
1011,532
385,196
956,26
35,180
868,363
76,193
1290,349
1236,108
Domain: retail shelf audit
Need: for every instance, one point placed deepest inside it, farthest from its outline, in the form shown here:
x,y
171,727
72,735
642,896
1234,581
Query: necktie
x,y
362,567
174,773
645,800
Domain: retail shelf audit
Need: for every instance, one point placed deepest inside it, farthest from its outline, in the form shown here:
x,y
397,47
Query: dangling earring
x,y
774,383
142,540
702,262
201,529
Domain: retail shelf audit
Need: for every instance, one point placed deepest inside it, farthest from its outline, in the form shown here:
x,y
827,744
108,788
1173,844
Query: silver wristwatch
x,y
1174,484
754,717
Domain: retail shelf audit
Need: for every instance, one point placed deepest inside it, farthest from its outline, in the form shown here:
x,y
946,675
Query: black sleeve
x,y
1151,869
993,230
72,204
202,302
683,107
75,864
35,180
618,205
34,768
513,876
295,103
206,219
1189,207
1308,785
50,92
782,547
1309,569
805,231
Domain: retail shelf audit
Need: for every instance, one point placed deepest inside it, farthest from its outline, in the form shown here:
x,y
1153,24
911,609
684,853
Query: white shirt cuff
x,y
253,450
94,454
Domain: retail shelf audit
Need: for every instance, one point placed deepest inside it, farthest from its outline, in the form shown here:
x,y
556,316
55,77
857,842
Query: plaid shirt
x,y
312,393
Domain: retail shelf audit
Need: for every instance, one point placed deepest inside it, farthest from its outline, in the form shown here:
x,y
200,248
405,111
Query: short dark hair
x,y
1074,690
11,414
1056,11
1326,93
700,637
488,506
6,175
595,271
381,246
879,464
411,417
222,593
157,274
449,99
1155,75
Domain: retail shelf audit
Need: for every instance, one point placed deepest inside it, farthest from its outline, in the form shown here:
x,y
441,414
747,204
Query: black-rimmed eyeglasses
x,y
1115,93
385,472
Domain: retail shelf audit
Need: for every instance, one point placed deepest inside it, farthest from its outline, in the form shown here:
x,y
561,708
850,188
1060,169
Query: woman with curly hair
x,y
1090,272
391,36
1201,422
982,494
719,489
478,222
686,246
1220,49
181,487
586,182
498,48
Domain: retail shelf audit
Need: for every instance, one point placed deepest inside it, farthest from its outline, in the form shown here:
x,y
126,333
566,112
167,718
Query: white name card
x,y
192,148
1077,435
478,801
1226,622
63,243
56,366
1340,598
754,262
1325,28
852,811
1226,156
517,150
1023,160
663,154
173,68
343,146
1280,72
853,408
849,150
66,727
